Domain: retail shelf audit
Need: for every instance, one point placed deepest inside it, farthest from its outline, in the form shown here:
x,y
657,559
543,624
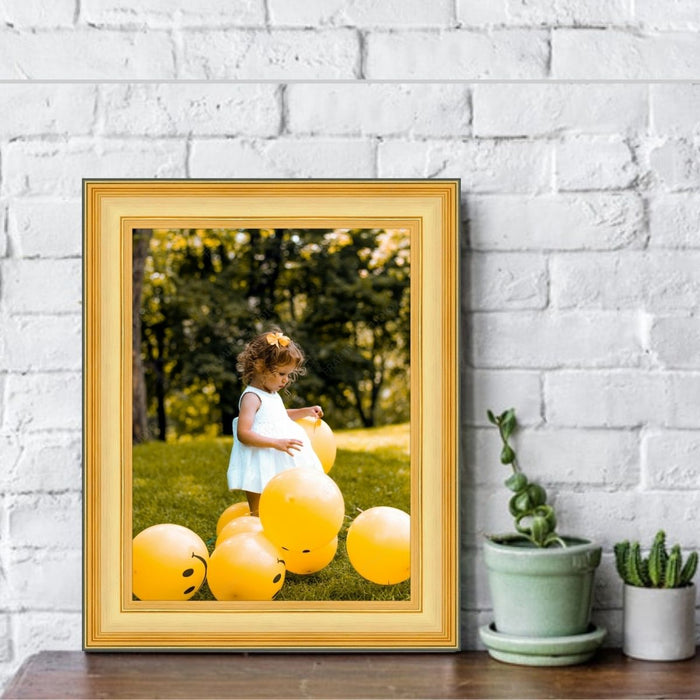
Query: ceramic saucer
x,y
542,651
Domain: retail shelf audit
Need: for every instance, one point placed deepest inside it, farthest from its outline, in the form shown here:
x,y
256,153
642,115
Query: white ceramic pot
x,y
659,623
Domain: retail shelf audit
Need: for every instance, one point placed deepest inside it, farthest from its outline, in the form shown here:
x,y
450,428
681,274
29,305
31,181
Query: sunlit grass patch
x,y
389,436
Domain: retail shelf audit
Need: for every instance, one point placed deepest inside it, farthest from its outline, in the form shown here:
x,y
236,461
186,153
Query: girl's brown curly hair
x,y
261,355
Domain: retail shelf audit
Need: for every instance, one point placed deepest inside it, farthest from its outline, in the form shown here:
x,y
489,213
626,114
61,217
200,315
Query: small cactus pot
x,y
541,592
659,623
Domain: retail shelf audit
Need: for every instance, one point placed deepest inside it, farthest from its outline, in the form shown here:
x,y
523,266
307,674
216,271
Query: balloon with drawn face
x,y
301,508
231,513
311,560
169,562
246,566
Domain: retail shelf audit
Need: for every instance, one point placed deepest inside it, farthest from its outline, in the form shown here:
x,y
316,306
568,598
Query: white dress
x,y
250,468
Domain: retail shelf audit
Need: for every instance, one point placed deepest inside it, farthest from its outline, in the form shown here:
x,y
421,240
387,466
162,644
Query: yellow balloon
x,y
301,508
247,566
310,561
322,440
234,511
169,562
246,523
379,545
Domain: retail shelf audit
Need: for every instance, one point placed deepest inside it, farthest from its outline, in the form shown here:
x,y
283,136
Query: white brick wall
x,y
455,54
581,210
199,109
548,12
349,39
247,54
559,109
559,221
594,163
676,14
162,13
420,110
85,53
358,13
620,54
513,166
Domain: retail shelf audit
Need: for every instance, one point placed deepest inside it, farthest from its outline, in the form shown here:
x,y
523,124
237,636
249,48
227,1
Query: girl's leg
x,y
253,502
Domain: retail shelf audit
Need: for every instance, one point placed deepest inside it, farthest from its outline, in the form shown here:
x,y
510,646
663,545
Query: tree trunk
x,y
160,383
366,418
226,406
139,423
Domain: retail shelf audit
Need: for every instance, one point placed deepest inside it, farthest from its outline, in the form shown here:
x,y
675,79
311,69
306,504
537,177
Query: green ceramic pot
x,y
541,592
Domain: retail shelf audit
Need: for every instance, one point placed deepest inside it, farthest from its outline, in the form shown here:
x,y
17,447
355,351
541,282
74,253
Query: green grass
x,y
185,483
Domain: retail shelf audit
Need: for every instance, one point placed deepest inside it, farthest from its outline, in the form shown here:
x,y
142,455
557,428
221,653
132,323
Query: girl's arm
x,y
297,413
250,404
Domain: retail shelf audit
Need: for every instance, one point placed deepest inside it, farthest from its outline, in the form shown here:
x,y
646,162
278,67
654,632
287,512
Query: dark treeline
x,y
343,295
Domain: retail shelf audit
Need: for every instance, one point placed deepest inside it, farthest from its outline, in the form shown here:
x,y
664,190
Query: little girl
x,y
267,441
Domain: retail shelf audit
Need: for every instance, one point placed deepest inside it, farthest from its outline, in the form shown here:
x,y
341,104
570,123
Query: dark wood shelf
x,y
62,674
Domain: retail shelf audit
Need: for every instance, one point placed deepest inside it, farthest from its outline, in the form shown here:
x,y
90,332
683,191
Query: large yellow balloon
x,y
322,440
301,508
310,561
234,511
169,562
246,523
379,545
247,566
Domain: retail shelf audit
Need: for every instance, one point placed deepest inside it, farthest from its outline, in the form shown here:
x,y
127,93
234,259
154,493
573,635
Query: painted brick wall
x,y
581,241
349,39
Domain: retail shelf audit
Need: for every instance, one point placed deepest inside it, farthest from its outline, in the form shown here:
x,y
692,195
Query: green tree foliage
x,y
344,295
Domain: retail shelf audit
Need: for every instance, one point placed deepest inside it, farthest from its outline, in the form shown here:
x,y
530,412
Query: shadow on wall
x,y
469,547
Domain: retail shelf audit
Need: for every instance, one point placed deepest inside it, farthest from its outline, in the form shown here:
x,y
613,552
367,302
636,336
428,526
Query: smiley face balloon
x,y
234,511
246,566
379,545
246,523
169,563
301,508
311,560
322,440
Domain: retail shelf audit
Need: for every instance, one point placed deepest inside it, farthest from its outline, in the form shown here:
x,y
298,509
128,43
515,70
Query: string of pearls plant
x,y
535,520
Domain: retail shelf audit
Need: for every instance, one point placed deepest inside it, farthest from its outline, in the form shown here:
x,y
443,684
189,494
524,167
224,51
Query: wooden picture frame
x,y
113,620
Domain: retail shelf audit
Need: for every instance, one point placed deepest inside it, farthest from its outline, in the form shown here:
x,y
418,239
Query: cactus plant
x,y
535,520
658,560
660,569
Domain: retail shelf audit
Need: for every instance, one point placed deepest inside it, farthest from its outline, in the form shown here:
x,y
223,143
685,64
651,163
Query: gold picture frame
x,y
112,620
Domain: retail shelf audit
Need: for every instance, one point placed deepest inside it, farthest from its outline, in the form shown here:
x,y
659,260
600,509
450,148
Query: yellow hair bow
x,y
277,339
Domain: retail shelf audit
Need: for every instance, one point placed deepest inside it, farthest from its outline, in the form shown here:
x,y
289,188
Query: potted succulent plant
x,y
541,582
658,600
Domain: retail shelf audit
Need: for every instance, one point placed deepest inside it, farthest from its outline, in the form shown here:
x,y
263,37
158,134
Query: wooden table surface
x,y
62,674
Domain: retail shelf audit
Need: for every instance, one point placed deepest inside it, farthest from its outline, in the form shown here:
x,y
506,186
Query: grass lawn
x,y
185,483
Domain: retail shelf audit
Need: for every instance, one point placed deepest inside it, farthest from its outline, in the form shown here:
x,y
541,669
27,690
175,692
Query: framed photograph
x,y
271,415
